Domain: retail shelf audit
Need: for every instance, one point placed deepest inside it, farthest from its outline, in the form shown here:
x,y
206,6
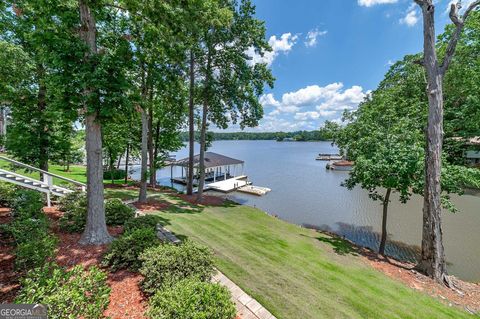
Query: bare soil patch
x,y
465,295
207,200
151,205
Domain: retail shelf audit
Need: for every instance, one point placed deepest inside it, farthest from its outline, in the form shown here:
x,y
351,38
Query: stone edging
x,y
247,307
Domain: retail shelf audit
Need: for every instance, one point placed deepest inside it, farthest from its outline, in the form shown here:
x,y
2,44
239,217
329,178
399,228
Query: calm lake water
x,y
305,193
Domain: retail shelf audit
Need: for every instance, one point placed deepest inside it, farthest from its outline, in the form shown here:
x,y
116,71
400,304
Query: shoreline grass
x,y
294,272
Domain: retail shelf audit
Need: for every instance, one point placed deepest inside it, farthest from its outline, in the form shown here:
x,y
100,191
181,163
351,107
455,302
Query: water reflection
x,y
304,192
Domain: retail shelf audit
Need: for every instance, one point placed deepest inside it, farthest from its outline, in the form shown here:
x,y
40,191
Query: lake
x,y
305,193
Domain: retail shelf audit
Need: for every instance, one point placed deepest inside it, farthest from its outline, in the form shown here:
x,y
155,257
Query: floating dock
x,y
254,190
228,185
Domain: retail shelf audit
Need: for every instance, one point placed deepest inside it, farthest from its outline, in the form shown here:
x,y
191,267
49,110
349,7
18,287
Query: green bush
x,y
72,200
115,174
27,204
124,251
145,221
166,264
117,213
192,299
35,253
25,230
74,206
7,194
68,294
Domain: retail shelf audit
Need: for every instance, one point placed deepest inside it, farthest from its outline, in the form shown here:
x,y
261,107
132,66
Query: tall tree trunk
x,y
119,162
151,151
383,240
43,132
95,232
157,138
203,131
126,162
142,198
432,261
191,126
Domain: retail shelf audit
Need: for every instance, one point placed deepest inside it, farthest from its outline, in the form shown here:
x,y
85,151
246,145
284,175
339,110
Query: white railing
x,y
47,176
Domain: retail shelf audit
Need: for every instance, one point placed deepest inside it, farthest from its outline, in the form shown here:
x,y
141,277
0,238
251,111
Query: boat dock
x,y
329,157
220,174
228,185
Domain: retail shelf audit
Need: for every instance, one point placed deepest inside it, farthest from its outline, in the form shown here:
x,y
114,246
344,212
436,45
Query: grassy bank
x,y
296,272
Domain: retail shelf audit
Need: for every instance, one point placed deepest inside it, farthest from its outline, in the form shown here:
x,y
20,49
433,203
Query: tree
x,y
27,86
230,84
387,149
432,261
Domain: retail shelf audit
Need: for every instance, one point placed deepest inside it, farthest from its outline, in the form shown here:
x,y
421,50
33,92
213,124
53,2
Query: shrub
x,y
117,213
192,299
124,251
35,253
74,206
72,200
146,221
7,195
114,174
166,264
27,204
29,229
68,294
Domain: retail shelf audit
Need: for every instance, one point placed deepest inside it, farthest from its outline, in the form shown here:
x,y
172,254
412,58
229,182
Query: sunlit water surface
x,y
305,193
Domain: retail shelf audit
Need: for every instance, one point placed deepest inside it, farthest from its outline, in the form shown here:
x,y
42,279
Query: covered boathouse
x,y
217,168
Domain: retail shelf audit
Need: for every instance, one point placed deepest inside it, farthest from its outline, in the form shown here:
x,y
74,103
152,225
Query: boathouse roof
x,y
211,160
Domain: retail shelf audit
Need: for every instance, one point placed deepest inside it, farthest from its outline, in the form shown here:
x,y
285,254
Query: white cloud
x,y
311,94
284,44
369,3
313,102
268,100
311,38
411,18
346,100
303,116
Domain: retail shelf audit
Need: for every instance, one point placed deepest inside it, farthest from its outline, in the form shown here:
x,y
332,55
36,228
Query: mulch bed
x,y
126,298
151,205
9,285
465,295
207,200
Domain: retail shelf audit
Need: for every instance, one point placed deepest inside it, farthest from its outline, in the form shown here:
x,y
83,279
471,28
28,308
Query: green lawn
x,y
296,272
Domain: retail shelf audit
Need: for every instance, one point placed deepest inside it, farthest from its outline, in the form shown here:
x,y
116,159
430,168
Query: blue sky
x,y
329,53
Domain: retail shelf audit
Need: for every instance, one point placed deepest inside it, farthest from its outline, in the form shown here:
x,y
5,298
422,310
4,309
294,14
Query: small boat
x,y
328,157
342,165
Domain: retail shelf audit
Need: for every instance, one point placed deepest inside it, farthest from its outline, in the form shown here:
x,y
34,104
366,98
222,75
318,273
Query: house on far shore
x,y
472,158
472,150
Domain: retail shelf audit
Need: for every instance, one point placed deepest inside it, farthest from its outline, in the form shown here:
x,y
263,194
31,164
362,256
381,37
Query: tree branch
x,y
459,23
